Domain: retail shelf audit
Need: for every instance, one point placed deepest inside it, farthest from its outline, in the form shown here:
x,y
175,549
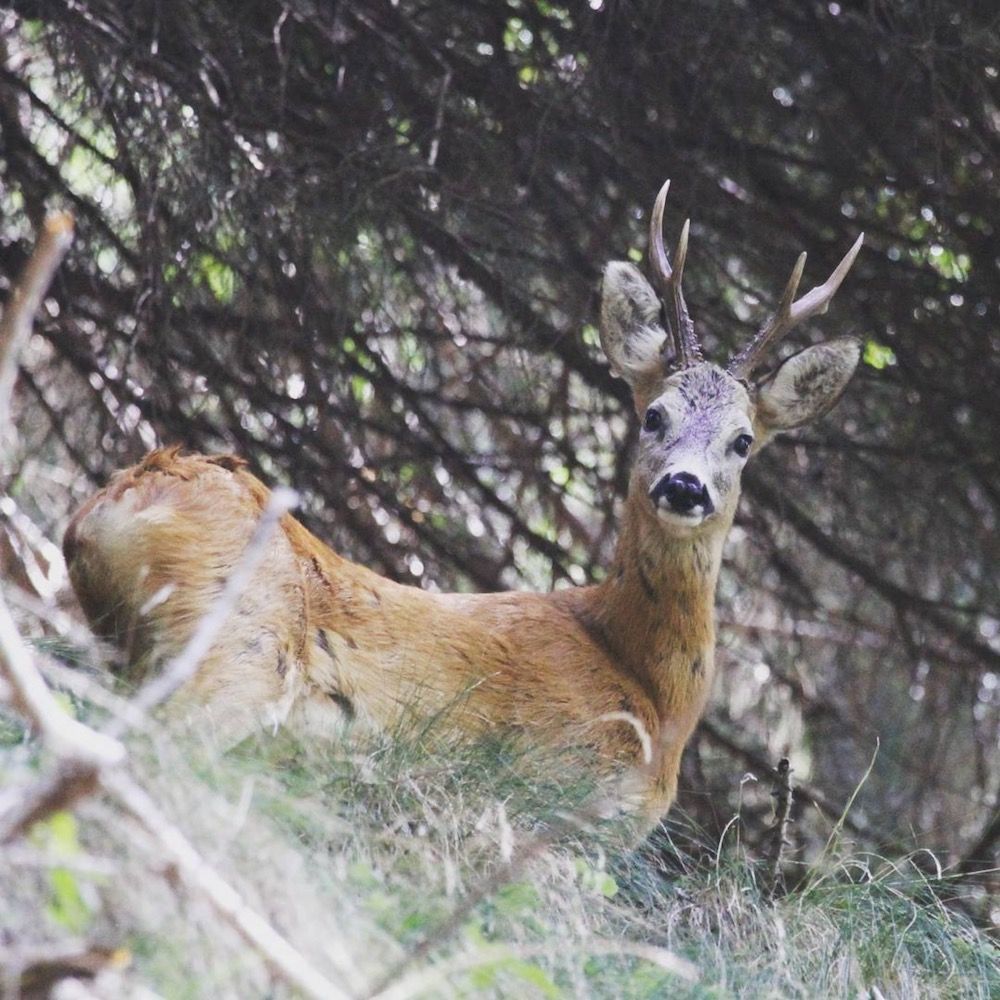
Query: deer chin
x,y
683,523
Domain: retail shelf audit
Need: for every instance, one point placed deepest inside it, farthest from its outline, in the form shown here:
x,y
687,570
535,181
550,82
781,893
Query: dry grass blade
x,y
433,979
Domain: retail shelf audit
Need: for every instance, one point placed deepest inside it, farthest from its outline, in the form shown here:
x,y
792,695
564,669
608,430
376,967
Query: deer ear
x,y
806,385
631,333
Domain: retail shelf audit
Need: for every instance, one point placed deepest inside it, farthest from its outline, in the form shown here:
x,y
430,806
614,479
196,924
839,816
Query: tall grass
x,y
365,853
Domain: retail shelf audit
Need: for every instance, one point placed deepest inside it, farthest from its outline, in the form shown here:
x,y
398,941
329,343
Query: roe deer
x,y
623,667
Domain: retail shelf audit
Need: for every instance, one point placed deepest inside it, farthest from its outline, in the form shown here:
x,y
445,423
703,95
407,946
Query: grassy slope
x,y
358,853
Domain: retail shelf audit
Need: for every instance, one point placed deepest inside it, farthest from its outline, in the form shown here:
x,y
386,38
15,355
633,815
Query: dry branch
x,y
398,982
30,695
92,760
433,980
25,298
781,789
89,760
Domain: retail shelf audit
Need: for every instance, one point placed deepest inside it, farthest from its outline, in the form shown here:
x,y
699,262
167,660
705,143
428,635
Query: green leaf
x,y
63,832
533,974
595,879
220,277
559,475
361,389
518,897
877,355
66,907
606,885
484,977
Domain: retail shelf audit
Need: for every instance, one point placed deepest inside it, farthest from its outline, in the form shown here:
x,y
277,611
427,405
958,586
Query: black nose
x,y
683,492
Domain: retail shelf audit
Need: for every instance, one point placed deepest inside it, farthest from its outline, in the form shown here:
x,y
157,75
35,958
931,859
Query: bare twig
x,y
21,809
25,298
781,789
198,876
29,542
82,751
757,760
505,873
432,155
90,761
42,969
979,855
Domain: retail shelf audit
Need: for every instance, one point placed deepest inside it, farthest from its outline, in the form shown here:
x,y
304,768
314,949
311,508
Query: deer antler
x,y
791,312
666,278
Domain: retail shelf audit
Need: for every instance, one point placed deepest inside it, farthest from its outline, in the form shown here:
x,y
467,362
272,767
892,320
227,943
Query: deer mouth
x,y
681,498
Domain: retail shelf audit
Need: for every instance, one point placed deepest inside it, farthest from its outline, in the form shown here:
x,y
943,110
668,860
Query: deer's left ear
x,y
806,385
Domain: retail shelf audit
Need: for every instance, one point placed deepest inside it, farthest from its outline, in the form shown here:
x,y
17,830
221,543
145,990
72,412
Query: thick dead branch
x,y
781,789
38,970
91,761
23,808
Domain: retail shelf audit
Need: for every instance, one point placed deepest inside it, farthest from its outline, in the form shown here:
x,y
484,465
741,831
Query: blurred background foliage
x,y
359,243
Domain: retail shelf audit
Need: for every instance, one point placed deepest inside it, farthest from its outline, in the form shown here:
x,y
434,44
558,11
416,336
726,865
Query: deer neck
x,y
656,608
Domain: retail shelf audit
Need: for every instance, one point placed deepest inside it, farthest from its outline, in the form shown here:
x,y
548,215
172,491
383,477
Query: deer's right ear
x,y
631,332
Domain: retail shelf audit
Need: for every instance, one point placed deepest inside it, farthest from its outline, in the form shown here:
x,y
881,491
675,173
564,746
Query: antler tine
x,y
690,348
791,312
666,278
659,264
777,326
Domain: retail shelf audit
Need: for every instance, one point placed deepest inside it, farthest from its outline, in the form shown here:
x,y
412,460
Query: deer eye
x,y
742,445
653,420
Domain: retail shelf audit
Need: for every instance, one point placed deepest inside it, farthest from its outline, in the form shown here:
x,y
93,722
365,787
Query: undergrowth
x,y
365,854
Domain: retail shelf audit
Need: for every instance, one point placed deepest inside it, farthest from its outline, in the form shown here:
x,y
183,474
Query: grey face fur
x,y
690,452
697,426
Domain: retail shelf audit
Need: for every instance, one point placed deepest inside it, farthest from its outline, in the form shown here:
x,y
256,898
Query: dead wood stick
x,y
82,752
778,835
89,759
25,298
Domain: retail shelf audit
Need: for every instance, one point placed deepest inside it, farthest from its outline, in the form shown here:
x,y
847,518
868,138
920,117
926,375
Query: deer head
x,y
701,422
